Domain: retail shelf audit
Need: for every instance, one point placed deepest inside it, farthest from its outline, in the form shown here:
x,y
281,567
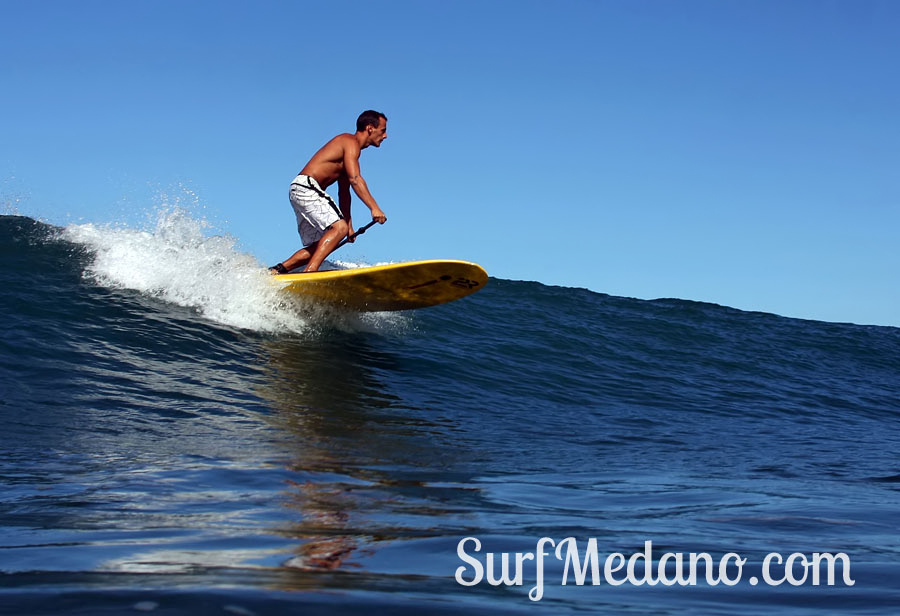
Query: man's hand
x,y
350,237
378,216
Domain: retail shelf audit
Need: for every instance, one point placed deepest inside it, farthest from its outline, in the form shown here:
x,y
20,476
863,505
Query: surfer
x,y
321,223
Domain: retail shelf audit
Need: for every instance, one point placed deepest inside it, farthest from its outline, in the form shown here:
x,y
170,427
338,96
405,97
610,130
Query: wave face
x,y
178,435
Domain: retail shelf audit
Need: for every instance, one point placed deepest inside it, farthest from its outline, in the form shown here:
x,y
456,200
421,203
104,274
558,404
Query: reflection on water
x,y
354,443
224,452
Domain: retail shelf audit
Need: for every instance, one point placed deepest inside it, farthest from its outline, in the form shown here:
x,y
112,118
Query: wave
x,y
154,423
179,260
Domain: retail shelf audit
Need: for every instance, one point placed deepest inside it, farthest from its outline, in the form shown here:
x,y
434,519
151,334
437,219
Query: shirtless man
x,y
321,223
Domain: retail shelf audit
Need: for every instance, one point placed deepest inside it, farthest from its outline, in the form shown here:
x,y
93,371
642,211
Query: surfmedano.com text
x,y
581,567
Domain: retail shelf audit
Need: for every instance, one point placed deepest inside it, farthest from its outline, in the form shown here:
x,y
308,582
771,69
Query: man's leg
x,y
301,257
326,245
314,211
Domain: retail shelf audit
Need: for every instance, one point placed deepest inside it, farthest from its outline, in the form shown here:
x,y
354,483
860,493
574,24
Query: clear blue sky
x,y
739,152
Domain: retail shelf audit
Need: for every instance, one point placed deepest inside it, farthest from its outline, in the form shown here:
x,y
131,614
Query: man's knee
x,y
341,227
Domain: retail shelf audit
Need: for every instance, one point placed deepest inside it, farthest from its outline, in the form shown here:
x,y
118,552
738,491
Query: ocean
x,y
179,438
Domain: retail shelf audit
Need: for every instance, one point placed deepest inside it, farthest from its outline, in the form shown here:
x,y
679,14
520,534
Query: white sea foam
x,y
177,261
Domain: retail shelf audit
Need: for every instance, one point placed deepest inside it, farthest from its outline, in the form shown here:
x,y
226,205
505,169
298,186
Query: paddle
x,y
311,247
359,232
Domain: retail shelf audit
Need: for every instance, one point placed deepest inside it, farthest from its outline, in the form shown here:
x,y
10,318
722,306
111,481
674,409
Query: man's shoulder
x,y
349,139
341,137
345,141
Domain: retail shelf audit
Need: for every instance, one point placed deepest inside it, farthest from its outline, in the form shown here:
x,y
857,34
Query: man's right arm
x,y
351,167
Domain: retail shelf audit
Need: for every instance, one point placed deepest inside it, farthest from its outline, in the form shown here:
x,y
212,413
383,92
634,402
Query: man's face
x,y
379,133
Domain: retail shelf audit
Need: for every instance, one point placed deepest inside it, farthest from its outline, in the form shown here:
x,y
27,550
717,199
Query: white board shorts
x,y
315,209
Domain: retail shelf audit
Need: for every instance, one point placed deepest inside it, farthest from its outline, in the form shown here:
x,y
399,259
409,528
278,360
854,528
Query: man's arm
x,y
351,168
344,202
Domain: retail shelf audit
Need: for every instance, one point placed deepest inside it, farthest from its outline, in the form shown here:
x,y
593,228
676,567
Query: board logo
x,y
461,282
465,283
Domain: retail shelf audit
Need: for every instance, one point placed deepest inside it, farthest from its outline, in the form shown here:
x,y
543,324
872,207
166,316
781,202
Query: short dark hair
x,y
369,117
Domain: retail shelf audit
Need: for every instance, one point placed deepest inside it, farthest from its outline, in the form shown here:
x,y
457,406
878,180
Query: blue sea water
x,y
177,438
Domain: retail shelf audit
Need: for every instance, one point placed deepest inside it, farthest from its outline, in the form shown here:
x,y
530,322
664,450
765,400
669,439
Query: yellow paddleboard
x,y
398,286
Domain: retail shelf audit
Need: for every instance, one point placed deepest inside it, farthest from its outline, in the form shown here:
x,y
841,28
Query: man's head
x,y
374,124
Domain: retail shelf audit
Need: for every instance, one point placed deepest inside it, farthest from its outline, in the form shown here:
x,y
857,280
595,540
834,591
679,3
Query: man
x,y
321,223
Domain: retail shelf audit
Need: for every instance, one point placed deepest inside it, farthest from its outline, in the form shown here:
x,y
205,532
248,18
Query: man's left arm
x,y
344,202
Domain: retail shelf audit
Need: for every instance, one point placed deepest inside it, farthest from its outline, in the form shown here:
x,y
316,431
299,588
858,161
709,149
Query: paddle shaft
x,y
359,232
312,246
